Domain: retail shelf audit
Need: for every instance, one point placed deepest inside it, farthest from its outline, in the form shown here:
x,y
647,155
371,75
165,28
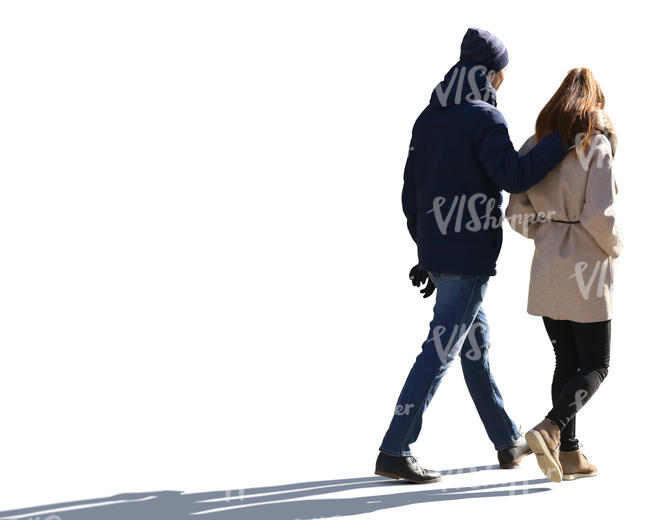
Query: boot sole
x,y
397,477
573,476
545,460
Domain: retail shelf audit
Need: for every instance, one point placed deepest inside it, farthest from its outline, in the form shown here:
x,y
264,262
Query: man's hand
x,y
418,278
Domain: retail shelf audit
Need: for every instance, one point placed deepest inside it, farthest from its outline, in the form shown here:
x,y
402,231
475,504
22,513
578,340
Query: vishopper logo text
x,y
48,517
581,399
526,219
458,77
403,409
459,334
482,212
585,158
229,495
598,272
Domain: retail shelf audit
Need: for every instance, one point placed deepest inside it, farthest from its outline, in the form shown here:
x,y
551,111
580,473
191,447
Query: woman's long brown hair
x,y
571,109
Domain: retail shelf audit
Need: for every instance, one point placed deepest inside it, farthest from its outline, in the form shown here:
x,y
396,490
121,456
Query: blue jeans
x,y
459,325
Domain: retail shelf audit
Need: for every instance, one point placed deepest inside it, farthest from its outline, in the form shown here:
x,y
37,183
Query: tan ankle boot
x,y
544,440
575,465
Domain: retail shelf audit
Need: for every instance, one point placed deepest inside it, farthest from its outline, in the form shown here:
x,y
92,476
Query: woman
x,y
570,217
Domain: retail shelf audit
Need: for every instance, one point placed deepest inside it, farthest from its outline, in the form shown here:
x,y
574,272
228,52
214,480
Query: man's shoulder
x,y
476,114
485,113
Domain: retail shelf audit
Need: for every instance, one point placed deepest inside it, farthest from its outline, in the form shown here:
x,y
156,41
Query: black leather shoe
x,y
511,456
406,468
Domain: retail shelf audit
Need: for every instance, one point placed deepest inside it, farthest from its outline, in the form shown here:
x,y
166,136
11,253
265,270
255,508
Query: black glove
x,y
419,277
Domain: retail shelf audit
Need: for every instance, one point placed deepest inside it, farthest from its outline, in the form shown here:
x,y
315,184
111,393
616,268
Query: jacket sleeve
x,y
502,163
409,194
598,215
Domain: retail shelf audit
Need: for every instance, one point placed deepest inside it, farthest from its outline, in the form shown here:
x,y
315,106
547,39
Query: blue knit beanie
x,y
483,48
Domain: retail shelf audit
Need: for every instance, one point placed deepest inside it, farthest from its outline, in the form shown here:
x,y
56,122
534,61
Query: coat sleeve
x,y
409,194
502,163
520,213
598,215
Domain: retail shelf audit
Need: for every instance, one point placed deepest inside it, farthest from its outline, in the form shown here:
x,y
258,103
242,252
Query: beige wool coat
x,y
572,272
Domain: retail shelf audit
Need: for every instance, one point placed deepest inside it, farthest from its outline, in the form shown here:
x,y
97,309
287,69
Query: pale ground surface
x,y
203,260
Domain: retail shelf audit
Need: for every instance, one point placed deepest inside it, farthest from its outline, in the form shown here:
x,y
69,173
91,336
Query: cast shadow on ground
x,y
271,502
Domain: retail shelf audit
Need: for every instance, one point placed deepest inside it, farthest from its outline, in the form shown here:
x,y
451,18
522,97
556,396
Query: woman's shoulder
x,y
528,145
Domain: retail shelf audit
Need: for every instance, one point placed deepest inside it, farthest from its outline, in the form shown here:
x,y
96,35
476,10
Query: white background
x,y
203,258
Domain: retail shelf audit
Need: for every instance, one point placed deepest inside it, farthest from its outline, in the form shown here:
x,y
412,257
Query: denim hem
x,y
393,453
509,443
508,422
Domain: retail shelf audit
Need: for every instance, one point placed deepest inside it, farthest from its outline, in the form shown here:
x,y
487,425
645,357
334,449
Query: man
x,y
460,158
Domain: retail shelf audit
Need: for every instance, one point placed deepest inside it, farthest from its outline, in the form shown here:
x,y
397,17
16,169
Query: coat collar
x,y
603,123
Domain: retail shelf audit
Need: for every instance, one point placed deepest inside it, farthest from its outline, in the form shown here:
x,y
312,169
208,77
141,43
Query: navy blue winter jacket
x,y
460,158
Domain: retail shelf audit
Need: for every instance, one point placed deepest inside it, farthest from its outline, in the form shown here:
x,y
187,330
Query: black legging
x,y
581,364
